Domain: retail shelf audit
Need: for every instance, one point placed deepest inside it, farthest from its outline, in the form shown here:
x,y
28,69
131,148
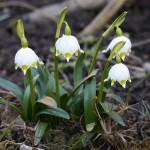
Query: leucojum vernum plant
x,y
44,101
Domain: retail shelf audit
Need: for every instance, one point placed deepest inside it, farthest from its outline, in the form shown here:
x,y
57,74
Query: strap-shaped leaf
x,y
6,130
115,97
13,107
40,132
47,101
78,69
106,107
63,101
60,21
70,102
86,138
15,89
26,105
50,85
54,112
89,104
147,108
114,115
78,102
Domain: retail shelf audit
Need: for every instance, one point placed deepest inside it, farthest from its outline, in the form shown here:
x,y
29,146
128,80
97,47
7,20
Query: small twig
x,y
6,92
27,6
100,120
103,17
140,43
36,125
147,139
128,107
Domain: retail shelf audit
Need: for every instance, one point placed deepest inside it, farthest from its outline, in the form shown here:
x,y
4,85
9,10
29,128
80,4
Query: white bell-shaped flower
x,y
67,45
26,58
126,49
119,72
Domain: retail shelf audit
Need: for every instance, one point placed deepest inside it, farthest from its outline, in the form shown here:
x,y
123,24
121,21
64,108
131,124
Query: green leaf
x,y
89,104
78,102
13,107
147,108
40,82
116,49
87,138
6,130
114,115
148,105
16,90
63,101
50,85
92,74
47,101
116,23
88,40
106,107
60,21
40,132
20,29
26,104
76,97
90,126
120,19
115,97
78,69
46,73
54,112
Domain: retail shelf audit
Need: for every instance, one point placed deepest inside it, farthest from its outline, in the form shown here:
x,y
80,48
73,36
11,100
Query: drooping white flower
x,y
67,45
119,72
26,58
126,48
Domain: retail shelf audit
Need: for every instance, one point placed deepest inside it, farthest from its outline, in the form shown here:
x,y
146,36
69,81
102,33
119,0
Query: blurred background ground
x,y
40,35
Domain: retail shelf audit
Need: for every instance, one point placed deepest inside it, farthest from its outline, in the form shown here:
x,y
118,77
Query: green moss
x,y
75,142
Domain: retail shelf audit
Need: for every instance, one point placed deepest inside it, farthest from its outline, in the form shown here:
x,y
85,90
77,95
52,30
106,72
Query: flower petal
x,y
119,72
26,58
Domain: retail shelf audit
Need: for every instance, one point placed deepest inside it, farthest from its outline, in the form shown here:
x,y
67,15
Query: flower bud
x,y
67,30
119,31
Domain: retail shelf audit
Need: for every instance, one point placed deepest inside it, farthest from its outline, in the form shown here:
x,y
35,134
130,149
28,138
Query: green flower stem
x,y
116,23
30,78
59,24
115,50
95,54
99,44
104,75
57,81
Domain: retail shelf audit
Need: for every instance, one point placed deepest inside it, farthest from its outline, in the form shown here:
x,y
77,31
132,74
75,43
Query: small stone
x,y
146,66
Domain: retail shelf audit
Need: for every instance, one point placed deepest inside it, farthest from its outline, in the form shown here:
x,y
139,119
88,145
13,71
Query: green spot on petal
x,y
67,55
16,66
112,82
123,83
129,79
76,52
81,50
24,68
40,62
34,65
122,55
57,52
